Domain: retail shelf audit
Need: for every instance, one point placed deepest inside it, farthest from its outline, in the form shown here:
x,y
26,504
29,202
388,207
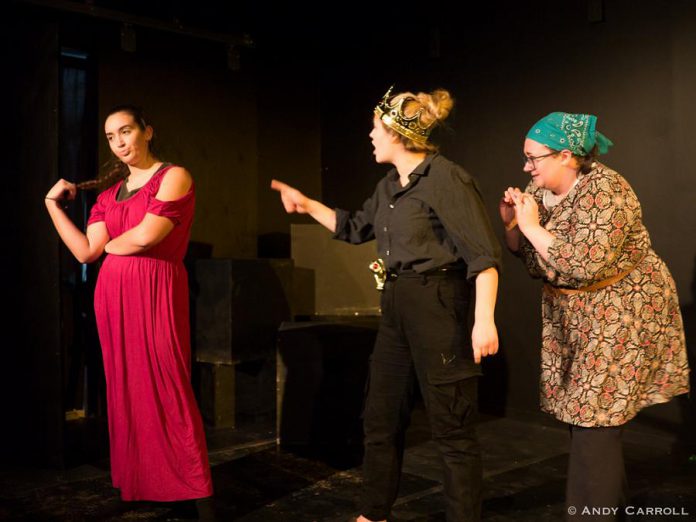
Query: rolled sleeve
x,y
356,227
460,208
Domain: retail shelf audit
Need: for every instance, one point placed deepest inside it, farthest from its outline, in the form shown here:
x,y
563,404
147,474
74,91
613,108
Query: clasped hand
x,y
518,205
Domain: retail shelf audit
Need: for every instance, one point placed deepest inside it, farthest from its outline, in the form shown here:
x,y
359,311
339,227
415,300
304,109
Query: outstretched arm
x,y
86,248
153,228
294,201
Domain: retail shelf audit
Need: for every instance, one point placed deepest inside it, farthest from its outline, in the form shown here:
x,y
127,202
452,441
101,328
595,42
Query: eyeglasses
x,y
532,159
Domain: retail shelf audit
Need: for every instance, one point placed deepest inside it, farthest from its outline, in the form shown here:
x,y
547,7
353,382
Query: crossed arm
x,y
152,229
89,246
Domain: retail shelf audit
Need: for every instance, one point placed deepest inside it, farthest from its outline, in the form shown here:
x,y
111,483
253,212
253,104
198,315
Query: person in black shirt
x,y
436,243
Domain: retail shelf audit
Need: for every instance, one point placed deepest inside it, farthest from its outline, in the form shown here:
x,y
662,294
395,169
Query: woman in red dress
x,y
142,223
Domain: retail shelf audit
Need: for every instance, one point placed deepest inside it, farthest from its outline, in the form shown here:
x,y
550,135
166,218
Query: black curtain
x,y
30,374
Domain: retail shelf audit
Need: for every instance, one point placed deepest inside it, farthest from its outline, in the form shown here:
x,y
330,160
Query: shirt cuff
x,y
481,263
342,217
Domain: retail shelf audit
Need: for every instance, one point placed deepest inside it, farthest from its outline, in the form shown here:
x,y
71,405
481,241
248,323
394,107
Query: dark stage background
x,y
240,95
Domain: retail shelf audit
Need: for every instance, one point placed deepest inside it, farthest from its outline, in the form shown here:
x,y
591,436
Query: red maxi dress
x,y
157,443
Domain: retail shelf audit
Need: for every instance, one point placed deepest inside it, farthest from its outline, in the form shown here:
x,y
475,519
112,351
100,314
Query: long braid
x,y
116,171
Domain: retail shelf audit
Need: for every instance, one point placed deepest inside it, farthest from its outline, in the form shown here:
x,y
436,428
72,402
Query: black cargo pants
x,y
423,333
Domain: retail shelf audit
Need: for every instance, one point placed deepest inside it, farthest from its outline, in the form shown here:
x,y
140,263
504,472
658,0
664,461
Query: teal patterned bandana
x,y
575,132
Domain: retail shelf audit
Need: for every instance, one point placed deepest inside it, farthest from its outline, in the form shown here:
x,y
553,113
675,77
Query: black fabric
x,y
596,488
437,219
423,333
123,192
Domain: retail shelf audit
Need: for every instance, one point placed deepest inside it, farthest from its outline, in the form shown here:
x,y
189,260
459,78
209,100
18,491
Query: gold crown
x,y
392,115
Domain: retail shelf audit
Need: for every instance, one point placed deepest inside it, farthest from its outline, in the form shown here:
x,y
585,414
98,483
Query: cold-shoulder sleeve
x,y
97,212
177,210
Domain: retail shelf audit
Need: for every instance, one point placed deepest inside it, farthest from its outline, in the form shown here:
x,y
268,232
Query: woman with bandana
x,y
612,340
436,243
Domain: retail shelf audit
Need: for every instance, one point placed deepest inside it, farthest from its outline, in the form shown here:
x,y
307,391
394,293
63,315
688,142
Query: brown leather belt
x,y
558,290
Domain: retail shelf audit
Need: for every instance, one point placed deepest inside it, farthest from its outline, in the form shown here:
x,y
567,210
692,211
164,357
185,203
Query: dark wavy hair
x,y
115,170
585,162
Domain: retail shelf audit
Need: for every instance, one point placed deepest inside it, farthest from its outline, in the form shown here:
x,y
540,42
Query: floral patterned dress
x,y
609,352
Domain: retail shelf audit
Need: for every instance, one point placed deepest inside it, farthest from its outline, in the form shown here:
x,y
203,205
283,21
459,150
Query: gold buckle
x,y
380,272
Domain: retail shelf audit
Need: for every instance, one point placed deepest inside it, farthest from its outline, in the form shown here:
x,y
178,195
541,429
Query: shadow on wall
x,y
687,403
322,374
274,245
493,386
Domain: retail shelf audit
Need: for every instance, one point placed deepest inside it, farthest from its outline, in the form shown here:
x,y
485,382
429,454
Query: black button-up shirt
x,y
437,219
